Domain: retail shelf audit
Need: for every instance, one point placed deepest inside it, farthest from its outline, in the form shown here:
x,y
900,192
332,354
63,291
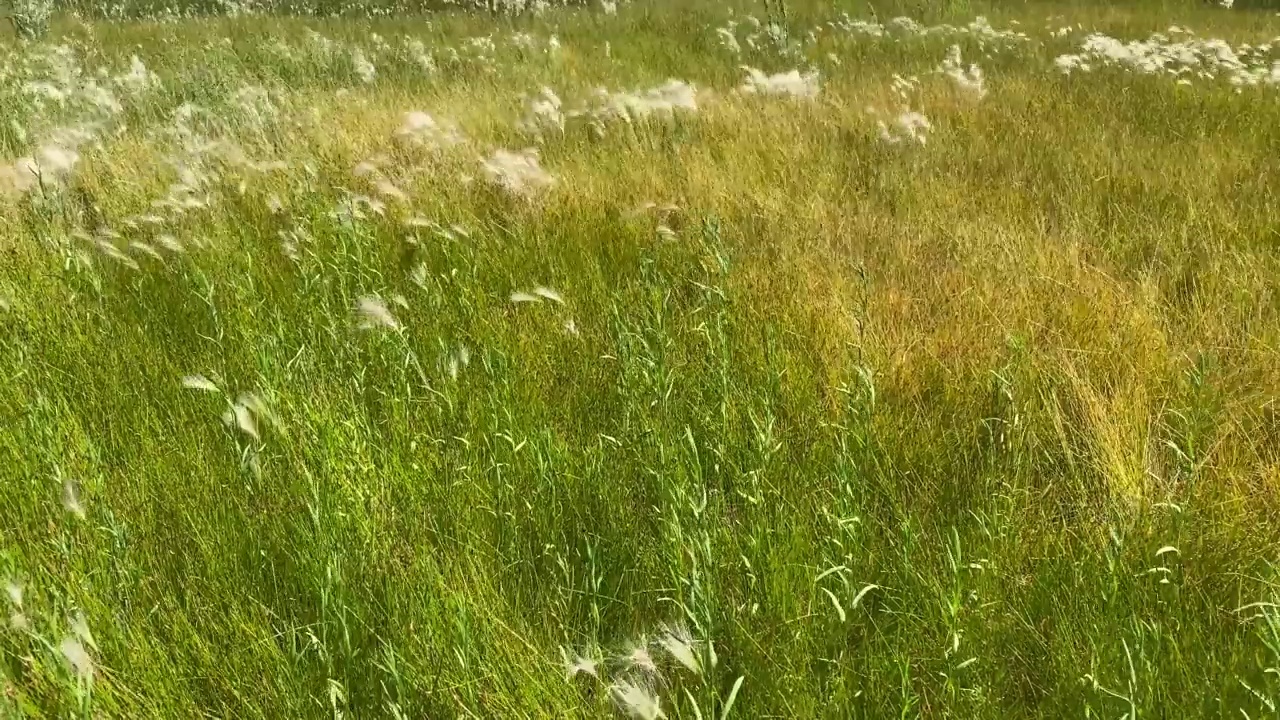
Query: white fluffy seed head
x,y
71,497
519,173
77,657
549,294
792,83
636,700
576,663
679,643
372,313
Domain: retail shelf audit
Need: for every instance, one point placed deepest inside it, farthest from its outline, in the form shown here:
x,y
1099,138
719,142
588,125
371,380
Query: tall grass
x,y
729,411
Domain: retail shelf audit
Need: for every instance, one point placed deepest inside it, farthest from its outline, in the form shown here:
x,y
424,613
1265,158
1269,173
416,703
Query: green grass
x,y
892,430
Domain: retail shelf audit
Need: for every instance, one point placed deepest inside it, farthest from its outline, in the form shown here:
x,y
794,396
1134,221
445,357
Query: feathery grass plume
x,y
789,83
364,69
549,294
17,620
575,663
424,130
77,658
109,249
458,360
420,55
170,243
969,80
636,700
728,40
544,113
49,166
245,412
908,126
239,416
663,100
517,173
520,296
256,405
147,250
373,313
1242,66
71,497
679,643
200,382
638,658
80,630
388,189
138,79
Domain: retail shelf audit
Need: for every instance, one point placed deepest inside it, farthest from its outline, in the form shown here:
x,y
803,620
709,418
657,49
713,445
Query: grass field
x,y
590,362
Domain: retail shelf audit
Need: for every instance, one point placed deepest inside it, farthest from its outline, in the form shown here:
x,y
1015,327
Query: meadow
x,y
691,360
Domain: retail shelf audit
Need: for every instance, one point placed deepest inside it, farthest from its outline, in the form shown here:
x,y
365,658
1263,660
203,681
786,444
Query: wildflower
x,y
789,83
373,313
636,701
